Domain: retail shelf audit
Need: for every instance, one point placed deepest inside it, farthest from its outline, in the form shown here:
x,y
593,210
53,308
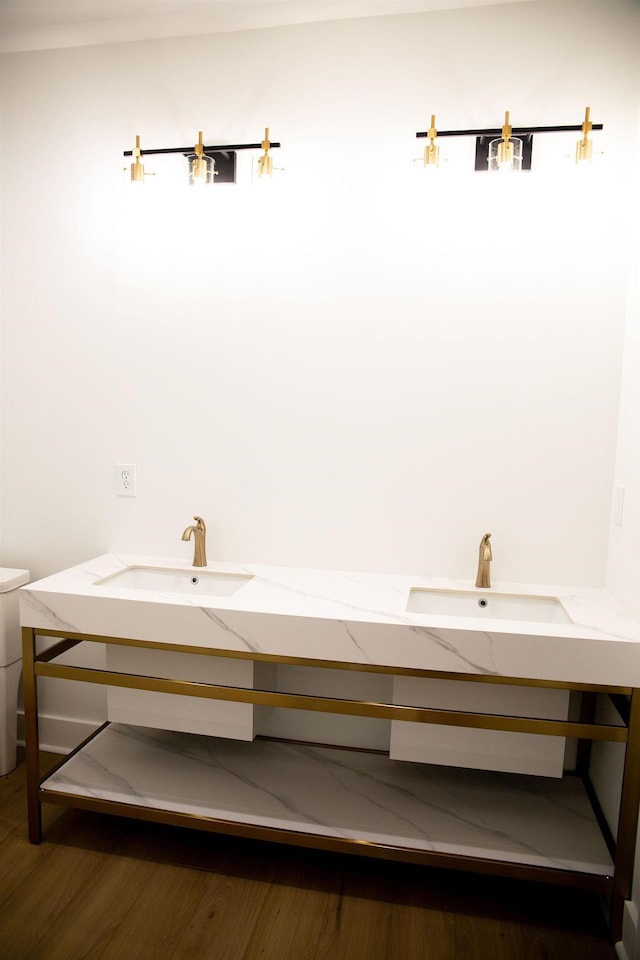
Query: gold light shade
x,y
201,166
432,150
505,154
265,160
137,167
584,146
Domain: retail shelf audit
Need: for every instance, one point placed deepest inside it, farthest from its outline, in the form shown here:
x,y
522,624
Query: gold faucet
x,y
199,533
483,578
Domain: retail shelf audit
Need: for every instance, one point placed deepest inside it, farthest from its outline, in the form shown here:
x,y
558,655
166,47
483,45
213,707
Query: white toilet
x,y
10,663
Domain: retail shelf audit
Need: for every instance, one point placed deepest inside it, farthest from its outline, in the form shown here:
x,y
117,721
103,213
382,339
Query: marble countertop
x,y
344,617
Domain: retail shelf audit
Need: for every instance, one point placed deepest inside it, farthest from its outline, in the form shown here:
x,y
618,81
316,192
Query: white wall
x,y
362,371
623,570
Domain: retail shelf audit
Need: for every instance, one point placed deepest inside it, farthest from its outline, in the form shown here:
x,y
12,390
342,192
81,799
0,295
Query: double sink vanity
x,y
409,718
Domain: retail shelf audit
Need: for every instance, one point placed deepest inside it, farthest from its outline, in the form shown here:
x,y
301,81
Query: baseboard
x,y
58,734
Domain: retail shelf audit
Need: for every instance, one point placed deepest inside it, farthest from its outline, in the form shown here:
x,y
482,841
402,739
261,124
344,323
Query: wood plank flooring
x,y
106,888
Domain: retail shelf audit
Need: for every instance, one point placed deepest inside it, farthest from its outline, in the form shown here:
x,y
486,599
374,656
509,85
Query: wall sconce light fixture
x,y
584,146
510,147
201,166
137,167
207,164
265,160
505,154
432,150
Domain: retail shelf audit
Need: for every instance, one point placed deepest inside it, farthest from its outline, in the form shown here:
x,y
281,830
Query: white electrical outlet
x,y
126,479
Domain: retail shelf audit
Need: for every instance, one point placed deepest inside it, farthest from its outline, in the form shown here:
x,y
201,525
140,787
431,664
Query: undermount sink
x,y
195,582
487,605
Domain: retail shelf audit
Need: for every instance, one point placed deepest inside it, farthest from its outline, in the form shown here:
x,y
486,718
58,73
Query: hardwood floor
x,y
106,888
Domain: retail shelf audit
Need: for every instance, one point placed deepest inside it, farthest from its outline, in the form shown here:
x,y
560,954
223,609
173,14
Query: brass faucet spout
x,y
199,534
485,556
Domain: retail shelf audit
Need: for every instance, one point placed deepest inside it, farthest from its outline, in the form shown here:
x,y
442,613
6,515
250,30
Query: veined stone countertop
x,y
345,617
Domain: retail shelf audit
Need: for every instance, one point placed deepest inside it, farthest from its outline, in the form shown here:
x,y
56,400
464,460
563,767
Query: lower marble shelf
x,y
345,794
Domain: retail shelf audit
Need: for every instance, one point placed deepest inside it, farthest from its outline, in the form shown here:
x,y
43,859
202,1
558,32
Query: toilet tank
x,y
10,638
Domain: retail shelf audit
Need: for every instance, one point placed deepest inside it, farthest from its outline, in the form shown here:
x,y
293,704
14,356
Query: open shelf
x,y
342,794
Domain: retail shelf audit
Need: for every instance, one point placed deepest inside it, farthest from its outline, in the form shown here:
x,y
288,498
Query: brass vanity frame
x,y
626,700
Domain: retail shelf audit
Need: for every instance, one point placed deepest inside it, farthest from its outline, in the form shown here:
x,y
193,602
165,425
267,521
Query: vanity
x,y
408,718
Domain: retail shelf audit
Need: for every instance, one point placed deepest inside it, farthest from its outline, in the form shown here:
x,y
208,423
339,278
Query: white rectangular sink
x,y
196,582
487,605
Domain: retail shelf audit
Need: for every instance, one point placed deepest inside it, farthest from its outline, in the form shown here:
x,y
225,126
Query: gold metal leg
x,y
628,823
31,736
587,715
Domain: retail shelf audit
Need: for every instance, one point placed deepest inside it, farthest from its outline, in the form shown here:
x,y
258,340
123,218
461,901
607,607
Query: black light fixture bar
x,y
516,131
228,148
